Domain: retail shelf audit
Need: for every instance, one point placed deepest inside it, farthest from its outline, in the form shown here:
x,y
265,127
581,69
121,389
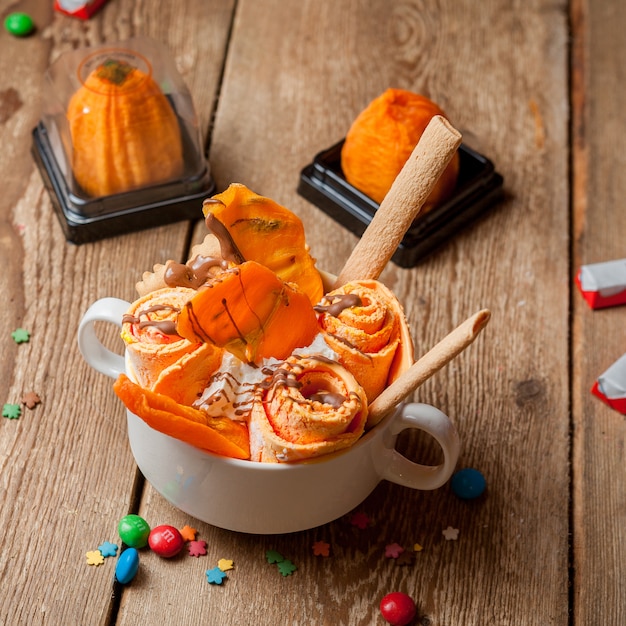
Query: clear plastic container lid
x,y
121,127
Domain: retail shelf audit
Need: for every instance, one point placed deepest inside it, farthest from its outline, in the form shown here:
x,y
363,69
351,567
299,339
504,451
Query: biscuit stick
x,y
448,348
403,202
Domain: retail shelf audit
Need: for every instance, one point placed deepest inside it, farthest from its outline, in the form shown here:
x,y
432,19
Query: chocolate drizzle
x,y
228,247
194,273
337,303
167,327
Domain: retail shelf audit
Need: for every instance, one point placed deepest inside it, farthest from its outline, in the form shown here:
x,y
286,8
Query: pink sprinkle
x,y
393,550
360,520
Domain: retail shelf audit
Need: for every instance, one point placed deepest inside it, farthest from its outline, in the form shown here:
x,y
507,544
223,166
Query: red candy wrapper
x,y
603,284
82,9
611,386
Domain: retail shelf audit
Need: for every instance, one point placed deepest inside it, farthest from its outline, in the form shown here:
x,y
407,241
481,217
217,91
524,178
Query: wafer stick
x,y
448,348
403,202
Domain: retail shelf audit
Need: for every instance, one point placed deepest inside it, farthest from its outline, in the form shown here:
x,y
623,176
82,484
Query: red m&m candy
x,y
398,609
166,540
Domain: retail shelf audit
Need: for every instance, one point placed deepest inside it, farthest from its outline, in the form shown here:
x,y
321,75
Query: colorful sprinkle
x,y
215,576
360,520
451,534
31,400
11,411
286,567
393,550
94,557
108,549
21,335
321,548
196,548
417,547
274,557
225,564
188,533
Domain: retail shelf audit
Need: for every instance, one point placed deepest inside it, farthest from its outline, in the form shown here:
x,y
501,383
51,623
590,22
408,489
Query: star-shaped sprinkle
x,y
286,567
108,549
188,533
417,547
321,548
274,557
451,534
31,400
225,564
393,550
20,335
406,558
360,520
94,557
215,576
197,548
11,411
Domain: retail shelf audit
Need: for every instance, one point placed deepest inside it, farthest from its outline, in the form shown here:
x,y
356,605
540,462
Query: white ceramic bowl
x,y
267,498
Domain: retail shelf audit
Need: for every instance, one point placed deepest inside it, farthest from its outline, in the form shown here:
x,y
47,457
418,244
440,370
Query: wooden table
x,y
538,89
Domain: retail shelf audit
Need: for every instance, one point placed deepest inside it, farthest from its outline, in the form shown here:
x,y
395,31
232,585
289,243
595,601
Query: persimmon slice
x,y
220,435
250,312
266,232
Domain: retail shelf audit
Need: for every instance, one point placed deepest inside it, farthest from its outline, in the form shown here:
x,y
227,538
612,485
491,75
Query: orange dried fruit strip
x,y
268,233
250,312
219,435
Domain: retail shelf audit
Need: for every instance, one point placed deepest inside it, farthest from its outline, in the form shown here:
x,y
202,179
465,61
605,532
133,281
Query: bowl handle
x,y
438,425
94,352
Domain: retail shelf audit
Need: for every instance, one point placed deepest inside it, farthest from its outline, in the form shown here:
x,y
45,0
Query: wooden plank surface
x,y
67,474
599,337
289,92
297,73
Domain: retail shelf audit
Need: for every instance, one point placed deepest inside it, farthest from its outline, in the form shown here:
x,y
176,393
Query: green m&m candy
x,y
19,24
134,531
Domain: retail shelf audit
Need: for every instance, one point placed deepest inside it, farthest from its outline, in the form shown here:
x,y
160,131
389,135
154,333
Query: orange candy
x,y
382,138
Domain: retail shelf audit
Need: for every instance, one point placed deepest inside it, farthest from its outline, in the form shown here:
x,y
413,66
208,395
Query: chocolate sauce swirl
x,y
338,302
167,327
228,247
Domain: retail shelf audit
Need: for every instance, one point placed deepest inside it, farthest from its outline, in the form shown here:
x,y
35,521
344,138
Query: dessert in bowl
x,y
262,395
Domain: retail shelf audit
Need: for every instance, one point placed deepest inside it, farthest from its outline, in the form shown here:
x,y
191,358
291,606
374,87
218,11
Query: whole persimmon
x,y
382,138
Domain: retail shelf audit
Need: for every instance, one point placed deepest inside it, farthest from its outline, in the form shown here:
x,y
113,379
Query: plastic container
x,y
322,183
86,217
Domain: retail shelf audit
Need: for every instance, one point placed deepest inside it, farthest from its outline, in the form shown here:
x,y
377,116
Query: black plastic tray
x,y
90,220
322,183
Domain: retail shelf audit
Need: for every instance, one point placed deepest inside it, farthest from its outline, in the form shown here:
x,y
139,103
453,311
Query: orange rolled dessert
x,y
149,332
308,407
364,323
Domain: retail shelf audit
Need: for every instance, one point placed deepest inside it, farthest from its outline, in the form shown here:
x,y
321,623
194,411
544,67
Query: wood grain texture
x,y
297,72
500,72
598,337
67,474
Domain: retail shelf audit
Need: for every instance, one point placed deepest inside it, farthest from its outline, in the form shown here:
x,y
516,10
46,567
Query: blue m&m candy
x,y
468,484
127,566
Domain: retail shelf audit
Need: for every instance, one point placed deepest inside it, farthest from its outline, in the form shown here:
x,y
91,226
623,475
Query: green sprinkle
x,y
20,335
11,411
